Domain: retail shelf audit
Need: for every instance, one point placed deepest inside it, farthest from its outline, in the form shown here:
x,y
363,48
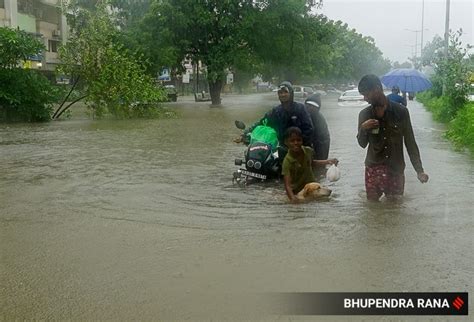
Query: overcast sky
x,y
386,21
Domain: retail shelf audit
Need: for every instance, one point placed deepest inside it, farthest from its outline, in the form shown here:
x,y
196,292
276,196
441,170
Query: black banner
x,y
371,303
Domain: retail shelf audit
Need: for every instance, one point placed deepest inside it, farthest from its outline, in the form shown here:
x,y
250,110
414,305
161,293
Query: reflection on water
x,y
177,173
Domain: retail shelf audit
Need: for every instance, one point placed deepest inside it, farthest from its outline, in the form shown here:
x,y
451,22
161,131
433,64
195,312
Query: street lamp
x,y
412,49
416,39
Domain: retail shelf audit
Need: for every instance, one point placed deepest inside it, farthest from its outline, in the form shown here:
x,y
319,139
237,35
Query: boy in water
x,y
297,166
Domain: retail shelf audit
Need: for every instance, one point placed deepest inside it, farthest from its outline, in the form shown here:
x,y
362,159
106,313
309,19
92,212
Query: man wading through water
x,y
384,126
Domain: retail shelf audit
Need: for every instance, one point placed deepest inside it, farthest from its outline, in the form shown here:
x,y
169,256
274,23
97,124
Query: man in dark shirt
x,y
320,138
289,113
395,97
384,126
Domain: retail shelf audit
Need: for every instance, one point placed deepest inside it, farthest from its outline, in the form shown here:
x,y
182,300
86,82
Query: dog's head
x,y
314,190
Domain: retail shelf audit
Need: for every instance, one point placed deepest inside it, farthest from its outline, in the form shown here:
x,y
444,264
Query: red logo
x,y
458,303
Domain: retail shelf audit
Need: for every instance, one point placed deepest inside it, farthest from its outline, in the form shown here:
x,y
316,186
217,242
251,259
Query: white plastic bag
x,y
333,173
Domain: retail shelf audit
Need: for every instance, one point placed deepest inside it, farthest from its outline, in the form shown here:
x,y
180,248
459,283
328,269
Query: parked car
x,y
302,91
171,92
352,97
333,90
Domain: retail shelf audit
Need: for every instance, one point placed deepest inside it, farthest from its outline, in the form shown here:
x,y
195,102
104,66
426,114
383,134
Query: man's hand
x,y
238,140
423,177
370,124
294,200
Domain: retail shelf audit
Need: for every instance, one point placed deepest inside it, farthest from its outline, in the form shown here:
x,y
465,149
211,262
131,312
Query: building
x,y
41,18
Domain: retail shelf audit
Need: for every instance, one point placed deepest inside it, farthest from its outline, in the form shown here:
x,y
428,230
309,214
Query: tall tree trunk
x,y
215,88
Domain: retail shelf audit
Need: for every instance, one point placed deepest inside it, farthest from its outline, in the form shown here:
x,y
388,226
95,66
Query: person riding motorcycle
x,y
287,114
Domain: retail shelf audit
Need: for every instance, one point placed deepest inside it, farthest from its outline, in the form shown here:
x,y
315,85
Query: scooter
x,y
260,162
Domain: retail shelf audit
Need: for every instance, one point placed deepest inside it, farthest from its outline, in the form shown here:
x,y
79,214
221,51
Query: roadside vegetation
x,y
448,98
116,49
279,40
25,95
113,79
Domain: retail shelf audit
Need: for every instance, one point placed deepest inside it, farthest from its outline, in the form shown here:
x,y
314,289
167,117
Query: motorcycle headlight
x,y
250,163
257,165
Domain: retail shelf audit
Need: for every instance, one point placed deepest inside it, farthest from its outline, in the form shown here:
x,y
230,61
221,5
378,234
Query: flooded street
x,y
139,220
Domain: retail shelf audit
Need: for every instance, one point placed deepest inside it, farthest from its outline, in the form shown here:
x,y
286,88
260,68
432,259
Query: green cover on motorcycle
x,y
264,134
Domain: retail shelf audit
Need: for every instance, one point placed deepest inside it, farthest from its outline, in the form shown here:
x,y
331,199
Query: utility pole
x,y
446,30
412,49
416,42
446,40
422,25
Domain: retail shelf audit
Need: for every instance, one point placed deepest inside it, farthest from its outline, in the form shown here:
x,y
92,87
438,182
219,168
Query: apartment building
x,y
41,18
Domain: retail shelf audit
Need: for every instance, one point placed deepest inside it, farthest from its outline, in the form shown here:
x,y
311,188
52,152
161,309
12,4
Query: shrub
x,y
462,127
25,96
436,105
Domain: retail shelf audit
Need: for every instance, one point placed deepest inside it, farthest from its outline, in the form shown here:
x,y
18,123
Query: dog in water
x,y
313,191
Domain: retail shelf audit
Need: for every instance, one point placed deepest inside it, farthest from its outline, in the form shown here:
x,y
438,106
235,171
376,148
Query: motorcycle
x,y
261,159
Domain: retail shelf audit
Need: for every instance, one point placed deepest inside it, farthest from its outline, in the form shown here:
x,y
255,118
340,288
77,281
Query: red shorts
x,y
379,179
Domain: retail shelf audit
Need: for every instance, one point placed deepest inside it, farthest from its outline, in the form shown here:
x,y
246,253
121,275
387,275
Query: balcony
x,y
50,2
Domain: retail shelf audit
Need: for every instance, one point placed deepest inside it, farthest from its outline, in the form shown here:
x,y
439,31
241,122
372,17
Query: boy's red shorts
x,y
379,179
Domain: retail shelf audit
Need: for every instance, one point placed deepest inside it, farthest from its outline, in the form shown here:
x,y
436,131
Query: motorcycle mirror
x,y
240,125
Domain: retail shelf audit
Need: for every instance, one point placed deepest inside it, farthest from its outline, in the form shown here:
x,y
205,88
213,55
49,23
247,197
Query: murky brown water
x,y
140,220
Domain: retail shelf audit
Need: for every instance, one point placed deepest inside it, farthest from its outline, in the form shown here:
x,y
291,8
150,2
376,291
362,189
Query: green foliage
x,y
130,12
25,95
274,38
16,46
206,31
114,79
451,79
355,55
436,105
455,72
462,127
433,51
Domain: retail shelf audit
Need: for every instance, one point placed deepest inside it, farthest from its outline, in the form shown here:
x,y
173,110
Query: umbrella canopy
x,y
407,79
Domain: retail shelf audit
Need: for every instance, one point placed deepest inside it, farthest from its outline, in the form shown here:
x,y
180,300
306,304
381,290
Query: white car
x,y
352,97
302,91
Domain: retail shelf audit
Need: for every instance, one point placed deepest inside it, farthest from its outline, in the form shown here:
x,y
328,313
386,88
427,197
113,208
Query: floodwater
x,y
139,220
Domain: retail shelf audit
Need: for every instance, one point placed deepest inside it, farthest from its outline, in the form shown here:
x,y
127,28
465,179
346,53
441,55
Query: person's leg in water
x,y
374,181
394,186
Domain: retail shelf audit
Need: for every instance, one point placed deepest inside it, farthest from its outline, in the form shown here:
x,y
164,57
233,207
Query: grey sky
x,y
386,21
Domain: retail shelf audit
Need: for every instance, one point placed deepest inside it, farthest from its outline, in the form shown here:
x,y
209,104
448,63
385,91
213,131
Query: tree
x,y
432,51
17,46
405,64
206,31
114,79
352,55
452,72
273,38
25,95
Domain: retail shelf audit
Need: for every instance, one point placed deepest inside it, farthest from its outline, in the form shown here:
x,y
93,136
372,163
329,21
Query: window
x,y
53,46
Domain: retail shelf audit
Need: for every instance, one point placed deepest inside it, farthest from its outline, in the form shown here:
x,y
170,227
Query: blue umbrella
x,y
407,79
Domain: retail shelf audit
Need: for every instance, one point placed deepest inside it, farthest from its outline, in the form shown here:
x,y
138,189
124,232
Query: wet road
x,y
140,220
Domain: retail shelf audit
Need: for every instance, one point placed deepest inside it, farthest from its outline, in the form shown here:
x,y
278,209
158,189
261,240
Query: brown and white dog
x,y
312,191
